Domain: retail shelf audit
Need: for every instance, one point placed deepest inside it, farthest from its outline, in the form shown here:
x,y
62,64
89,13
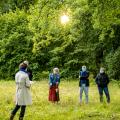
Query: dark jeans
x,y
106,91
17,108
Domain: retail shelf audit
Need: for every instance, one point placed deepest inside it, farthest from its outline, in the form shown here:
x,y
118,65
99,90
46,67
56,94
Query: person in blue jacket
x,y
84,83
54,81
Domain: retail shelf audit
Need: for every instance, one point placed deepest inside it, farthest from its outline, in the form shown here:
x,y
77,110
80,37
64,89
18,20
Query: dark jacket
x,y
84,78
29,71
102,80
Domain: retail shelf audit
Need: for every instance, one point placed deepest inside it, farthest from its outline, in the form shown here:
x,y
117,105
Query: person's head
x,y
22,66
55,70
84,68
102,70
26,62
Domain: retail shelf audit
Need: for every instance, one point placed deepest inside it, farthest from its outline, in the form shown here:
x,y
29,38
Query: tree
x,y
15,42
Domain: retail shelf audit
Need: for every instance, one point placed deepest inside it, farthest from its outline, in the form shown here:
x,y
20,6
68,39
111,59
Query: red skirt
x,y
53,94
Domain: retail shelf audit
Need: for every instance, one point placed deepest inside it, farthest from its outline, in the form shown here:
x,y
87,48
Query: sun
x,y
64,19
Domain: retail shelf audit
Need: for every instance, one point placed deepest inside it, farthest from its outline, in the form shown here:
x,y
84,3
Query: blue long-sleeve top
x,y
84,78
54,79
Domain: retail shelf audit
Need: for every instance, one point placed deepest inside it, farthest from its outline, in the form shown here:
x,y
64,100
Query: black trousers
x,y
106,91
22,112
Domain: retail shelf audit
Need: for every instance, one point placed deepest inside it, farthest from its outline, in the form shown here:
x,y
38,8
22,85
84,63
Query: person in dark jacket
x,y
102,82
29,71
84,83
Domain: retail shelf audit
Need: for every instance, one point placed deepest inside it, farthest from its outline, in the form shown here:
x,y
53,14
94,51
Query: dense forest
x,y
31,30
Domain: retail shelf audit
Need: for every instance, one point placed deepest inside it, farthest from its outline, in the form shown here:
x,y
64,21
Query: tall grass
x,y
67,109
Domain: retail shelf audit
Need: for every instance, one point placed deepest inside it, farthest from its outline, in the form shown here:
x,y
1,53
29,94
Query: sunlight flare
x,y
64,19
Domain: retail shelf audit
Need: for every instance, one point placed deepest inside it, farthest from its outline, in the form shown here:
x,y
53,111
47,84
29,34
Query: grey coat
x,y
23,95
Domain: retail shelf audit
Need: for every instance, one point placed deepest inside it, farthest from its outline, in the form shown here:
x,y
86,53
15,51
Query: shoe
x,y
20,118
11,117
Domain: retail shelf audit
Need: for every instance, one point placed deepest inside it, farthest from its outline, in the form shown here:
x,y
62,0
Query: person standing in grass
x,y
54,81
102,82
23,95
84,83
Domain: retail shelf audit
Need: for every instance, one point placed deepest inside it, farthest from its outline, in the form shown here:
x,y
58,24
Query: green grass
x,y
67,109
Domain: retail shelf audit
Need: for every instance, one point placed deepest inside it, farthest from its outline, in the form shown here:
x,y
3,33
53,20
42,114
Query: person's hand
x,y
50,86
31,82
56,90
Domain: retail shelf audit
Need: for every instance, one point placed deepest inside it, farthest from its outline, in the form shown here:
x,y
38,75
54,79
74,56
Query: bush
x,y
41,75
15,42
113,64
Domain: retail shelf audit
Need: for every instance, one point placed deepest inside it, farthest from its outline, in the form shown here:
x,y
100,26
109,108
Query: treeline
x,y
31,30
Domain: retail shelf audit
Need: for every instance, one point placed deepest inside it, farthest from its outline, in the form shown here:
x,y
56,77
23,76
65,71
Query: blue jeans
x,y
85,89
106,91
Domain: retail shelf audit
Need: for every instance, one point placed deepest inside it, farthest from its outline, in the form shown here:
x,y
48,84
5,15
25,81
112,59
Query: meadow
x,y
68,108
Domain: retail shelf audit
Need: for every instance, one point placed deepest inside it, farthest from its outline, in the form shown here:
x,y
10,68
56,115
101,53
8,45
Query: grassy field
x,y
67,109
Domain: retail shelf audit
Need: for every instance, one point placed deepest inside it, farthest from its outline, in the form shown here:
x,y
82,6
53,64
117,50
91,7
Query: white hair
x,y
84,68
55,70
26,62
102,70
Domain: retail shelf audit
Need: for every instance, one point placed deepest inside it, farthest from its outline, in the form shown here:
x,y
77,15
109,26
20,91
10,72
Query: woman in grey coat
x,y
23,96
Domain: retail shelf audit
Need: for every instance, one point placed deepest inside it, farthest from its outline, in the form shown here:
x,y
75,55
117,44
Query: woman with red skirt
x,y
54,81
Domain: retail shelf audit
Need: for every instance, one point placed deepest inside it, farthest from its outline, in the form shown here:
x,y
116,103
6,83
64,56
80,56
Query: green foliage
x,y
15,42
31,29
8,5
41,75
113,64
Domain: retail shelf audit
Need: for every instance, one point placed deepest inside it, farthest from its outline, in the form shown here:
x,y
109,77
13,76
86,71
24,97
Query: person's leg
x,y
86,93
14,112
22,112
107,94
100,89
81,92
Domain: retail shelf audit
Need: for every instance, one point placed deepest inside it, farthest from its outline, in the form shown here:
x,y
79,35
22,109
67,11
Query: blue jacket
x,y
54,79
84,78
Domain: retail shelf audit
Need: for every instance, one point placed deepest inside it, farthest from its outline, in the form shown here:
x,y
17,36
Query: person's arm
x,y
30,74
80,75
107,79
27,82
58,79
87,76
